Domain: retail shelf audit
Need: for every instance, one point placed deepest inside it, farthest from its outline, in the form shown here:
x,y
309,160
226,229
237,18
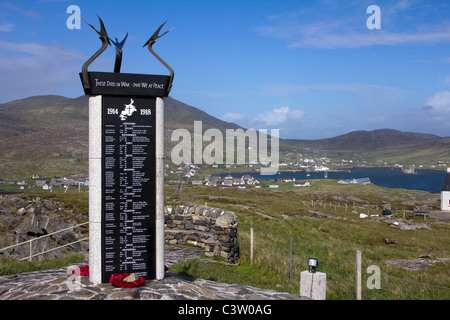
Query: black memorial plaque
x,y
129,185
127,84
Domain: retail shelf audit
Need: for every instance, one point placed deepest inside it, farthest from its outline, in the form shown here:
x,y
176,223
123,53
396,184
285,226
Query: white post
x,y
358,275
313,285
251,245
291,259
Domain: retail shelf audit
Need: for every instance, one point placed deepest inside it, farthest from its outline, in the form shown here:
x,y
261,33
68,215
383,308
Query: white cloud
x,y
296,115
211,94
401,6
358,40
7,27
440,101
233,117
358,88
278,116
327,36
31,69
21,11
328,26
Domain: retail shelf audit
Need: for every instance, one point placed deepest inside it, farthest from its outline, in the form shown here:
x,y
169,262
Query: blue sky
x,y
312,69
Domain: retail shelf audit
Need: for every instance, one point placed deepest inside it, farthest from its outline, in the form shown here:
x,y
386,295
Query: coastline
x,y
429,180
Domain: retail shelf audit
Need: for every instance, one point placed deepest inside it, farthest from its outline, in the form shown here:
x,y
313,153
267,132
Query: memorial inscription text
x,y
128,199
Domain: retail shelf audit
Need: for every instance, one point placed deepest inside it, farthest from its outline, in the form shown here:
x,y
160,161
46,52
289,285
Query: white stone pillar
x,y
313,285
95,189
159,188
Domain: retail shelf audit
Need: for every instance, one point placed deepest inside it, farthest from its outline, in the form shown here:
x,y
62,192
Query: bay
x,y
423,179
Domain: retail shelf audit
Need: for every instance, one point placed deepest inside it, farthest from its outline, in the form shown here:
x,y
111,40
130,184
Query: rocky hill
x,y
34,114
48,135
361,141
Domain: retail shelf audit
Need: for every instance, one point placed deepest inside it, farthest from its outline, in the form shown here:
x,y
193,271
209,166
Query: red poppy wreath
x,y
118,280
81,270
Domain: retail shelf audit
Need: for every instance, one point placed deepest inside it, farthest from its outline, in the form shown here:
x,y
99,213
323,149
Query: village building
x,y
38,177
355,181
302,184
211,183
47,187
40,183
445,192
409,170
253,182
227,183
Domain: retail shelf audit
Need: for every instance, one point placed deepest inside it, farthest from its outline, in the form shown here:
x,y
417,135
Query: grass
x,y
11,266
73,200
77,201
425,156
244,273
333,241
26,166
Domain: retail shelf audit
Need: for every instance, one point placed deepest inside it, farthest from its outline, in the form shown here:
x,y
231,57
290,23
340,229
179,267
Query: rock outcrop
x,y
23,219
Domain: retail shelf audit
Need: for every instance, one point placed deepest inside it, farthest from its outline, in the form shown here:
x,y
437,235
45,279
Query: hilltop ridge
x,y
362,140
52,131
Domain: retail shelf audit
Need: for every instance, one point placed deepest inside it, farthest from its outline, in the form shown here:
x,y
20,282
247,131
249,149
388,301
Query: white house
x,y
227,183
355,181
211,183
445,192
47,187
302,184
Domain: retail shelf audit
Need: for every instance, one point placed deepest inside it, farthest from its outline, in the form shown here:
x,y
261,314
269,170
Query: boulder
x,y
226,220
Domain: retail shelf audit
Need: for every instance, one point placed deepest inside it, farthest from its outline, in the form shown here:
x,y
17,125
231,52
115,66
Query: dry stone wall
x,y
211,228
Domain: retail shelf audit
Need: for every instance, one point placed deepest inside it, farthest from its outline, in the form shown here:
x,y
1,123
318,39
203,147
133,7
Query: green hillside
x,y
48,135
324,221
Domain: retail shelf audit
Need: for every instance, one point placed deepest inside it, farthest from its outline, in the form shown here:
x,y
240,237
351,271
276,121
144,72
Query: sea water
x,y
423,179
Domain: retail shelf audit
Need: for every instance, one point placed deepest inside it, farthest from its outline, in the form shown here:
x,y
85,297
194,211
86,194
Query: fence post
x,y
290,267
358,275
251,245
31,249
